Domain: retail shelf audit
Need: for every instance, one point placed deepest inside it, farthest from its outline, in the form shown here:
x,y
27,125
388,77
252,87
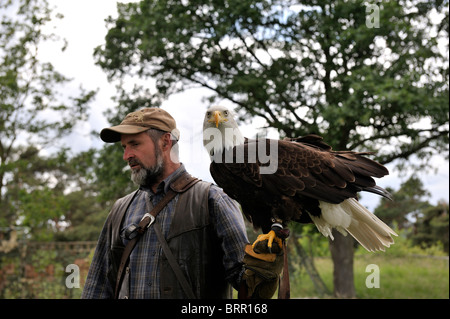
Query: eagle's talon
x,y
270,237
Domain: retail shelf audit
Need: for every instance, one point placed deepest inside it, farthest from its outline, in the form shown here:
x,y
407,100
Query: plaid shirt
x,y
144,259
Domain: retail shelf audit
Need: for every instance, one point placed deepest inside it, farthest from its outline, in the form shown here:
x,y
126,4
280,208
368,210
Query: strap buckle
x,y
152,219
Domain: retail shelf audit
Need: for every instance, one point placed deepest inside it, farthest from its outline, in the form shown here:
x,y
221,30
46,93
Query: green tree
x,y
85,214
425,224
33,196
362,75
34,115
408,203
432,227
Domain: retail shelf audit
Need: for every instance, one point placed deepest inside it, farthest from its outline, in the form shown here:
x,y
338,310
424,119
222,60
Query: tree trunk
x,y
342,254
310,268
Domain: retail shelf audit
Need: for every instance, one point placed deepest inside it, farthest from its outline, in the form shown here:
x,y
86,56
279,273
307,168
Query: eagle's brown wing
x,y
324,174
307,169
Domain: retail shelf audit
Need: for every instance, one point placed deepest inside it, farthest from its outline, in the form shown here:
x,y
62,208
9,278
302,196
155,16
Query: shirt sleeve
x,y
230,228
97,285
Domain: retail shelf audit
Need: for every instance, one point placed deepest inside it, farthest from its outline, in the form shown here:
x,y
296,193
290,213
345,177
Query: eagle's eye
x,y
225,113
208,114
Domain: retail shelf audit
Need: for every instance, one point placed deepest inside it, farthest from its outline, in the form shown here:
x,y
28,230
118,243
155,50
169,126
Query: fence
x,y
40,269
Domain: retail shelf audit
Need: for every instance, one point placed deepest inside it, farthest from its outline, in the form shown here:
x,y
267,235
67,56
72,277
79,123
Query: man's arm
x,y
97,285
230,228
250,272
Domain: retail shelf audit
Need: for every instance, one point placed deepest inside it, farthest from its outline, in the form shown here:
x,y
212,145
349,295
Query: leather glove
x,y
262,270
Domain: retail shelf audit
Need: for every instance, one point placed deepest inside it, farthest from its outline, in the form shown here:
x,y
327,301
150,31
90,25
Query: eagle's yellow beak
x,y
217,118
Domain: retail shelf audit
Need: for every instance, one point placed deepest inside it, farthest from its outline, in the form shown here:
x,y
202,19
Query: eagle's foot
x,y
270,237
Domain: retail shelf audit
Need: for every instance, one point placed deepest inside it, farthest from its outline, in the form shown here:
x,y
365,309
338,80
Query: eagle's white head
x,y
220,130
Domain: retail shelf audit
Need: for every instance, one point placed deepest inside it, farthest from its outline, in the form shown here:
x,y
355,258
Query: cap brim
x,y
113,134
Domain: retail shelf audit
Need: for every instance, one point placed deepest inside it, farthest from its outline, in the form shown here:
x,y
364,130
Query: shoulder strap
x,y
184,182
174,265
181,184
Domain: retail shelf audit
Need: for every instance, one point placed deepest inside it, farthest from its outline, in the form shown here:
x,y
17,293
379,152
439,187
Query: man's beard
x,y
148,176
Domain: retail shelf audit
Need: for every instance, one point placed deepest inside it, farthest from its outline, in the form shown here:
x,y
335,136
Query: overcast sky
x,y
84,28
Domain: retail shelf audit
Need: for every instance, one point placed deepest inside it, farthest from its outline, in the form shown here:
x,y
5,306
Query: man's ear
x,y
166,142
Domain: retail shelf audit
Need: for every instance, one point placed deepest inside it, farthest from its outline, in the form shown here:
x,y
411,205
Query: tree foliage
x,y
426,224
315,67
433,227
33,115
407,203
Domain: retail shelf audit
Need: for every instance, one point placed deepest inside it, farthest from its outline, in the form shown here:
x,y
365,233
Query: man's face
x,y
144,157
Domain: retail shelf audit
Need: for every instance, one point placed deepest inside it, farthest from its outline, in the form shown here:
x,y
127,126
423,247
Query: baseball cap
x,y
141,121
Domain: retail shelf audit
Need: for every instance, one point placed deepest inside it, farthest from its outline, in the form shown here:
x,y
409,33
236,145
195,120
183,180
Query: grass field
x,y
398,277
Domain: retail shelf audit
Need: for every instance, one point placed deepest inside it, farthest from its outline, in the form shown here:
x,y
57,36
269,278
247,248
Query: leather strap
x,y
181,184
174,265
284,291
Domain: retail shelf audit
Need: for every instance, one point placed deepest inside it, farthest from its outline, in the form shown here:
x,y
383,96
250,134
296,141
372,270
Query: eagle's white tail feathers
x,y
352,217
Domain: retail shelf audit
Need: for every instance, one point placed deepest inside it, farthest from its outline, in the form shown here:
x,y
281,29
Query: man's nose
x,y
127,154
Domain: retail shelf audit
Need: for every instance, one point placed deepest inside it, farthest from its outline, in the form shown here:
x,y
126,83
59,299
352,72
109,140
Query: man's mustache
x,y
133,162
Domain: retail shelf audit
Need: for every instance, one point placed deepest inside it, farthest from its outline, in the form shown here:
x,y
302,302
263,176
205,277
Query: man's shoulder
x,y
219,197
215,190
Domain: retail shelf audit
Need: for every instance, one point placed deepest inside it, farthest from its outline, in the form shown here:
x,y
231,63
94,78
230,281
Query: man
x,y
202,226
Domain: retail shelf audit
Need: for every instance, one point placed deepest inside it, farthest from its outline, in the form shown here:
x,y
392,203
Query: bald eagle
x,y
295,179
